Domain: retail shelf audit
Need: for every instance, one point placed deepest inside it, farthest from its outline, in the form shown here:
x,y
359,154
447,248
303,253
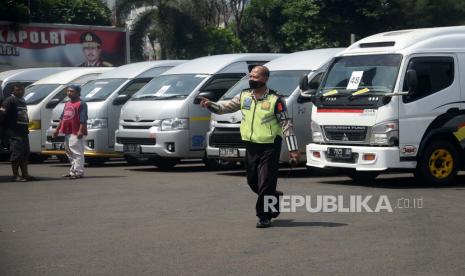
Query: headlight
x,y
317,135
174,124
97,123
34,125
385,134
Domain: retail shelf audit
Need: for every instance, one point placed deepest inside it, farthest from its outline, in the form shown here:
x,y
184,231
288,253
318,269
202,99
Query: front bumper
x,y
384,158
167,144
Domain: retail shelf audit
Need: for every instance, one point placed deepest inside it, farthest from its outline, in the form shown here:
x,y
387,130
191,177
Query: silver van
x,y
224,139
164,121
43,95
104,97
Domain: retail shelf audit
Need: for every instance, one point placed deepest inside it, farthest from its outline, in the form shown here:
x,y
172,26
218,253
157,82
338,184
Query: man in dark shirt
x,y
14,120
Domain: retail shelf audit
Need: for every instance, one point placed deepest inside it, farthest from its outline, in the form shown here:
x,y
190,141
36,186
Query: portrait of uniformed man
x,y
91,47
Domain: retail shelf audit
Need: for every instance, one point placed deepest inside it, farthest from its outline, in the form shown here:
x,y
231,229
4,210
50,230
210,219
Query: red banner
x,y
43,45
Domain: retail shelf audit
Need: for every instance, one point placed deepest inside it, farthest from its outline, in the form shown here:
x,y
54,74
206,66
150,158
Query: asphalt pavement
x,y
138,220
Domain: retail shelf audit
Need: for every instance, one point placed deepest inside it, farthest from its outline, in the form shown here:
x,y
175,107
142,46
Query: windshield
x,y
36,93
169,86
283,82
99,90
376,73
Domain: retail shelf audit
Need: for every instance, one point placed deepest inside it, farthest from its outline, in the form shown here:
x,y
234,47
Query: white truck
x,y
394,100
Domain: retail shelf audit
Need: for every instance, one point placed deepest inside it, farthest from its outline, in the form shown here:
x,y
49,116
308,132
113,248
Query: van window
x,y
36,93
99,89
433,74
134,86
220,84
169,87
283,82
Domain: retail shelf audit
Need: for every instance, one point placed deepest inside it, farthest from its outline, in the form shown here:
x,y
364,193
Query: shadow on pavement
x,y
292,223
404,182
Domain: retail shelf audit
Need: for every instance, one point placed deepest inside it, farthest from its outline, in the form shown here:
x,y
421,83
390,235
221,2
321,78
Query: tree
x,y
85,12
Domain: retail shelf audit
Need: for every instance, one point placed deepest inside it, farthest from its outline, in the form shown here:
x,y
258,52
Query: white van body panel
x,y
100,141
39,112
313,61
190,142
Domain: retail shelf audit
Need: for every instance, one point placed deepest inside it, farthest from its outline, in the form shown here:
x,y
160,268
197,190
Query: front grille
x,y
346,133
136,141
136,127
140,121
58,139
226,137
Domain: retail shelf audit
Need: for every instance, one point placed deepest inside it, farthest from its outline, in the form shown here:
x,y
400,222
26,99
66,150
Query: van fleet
x,y
43,95
104,97
164,121
224,140
394,100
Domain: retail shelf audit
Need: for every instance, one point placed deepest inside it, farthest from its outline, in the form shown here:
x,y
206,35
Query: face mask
x,y
255,84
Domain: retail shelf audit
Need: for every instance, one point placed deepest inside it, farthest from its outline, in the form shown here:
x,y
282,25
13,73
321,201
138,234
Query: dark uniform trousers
x,y
262,166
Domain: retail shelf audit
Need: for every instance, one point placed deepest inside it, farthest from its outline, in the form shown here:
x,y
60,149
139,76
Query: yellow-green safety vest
x,y
259,123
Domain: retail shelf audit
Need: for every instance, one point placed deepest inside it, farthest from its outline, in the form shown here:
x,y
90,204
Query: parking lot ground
x,y
139,220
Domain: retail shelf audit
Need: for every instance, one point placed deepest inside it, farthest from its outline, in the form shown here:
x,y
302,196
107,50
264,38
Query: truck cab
x,y
393,100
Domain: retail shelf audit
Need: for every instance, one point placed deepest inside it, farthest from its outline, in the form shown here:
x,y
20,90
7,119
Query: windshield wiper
x,y
171,97
144,97
94,100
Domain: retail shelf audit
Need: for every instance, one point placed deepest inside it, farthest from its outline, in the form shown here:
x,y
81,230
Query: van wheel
x,y
438,164
361,176
95,162
62,158
164,163
215,164
131,160
37,158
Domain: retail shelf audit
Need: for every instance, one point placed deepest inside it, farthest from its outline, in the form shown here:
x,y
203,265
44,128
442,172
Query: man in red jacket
x,y
73,124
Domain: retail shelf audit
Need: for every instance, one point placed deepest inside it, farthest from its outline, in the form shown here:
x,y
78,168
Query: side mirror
x,y
412,81
121,99
303,85
52,103
206,94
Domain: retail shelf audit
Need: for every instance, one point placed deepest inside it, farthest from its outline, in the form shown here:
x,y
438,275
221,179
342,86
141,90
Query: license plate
x,y
58,146
132,148
229,152
340,153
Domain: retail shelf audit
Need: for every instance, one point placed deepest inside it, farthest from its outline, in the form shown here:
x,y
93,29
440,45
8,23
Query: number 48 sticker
x,y
354,80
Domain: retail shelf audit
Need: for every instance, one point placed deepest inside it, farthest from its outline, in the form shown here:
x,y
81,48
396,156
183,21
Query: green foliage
x,y
85,12
221,41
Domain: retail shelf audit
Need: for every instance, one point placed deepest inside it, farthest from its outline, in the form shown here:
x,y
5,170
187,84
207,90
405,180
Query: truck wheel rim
x,y
441,163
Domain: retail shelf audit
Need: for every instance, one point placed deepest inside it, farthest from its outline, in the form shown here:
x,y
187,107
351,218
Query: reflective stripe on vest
x,y
259,123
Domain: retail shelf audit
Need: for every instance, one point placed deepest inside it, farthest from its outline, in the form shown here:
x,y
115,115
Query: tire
x,y
361,176
95,162
62,158
131,160
37,158
164,163
438,163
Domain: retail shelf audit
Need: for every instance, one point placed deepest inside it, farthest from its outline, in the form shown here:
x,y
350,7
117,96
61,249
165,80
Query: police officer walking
x,y
264,124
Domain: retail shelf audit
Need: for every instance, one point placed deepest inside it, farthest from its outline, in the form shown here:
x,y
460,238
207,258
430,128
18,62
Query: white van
x,y
43,95
24,77
394,100
164,120
104,97
224,140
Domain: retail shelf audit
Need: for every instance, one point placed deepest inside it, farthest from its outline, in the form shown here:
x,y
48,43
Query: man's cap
x,y
89,39
75,87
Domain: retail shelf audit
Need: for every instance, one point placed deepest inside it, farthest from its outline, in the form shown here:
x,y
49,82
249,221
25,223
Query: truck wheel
x,y
164,163
361,176
438,164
